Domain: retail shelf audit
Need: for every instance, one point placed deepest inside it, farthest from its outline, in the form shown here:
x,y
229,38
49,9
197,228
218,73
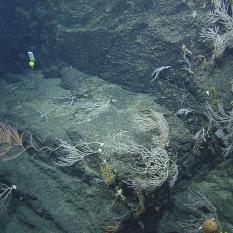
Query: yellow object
x,y
107,173
215,101
31,64
210,226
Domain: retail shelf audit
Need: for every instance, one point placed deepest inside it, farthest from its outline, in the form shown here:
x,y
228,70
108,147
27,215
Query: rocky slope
x,y
77,45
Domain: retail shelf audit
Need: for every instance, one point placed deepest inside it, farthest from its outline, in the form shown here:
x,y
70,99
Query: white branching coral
x,y
219,116
89,110
148,168
163,128
173,174
150,120
154,172
144,121
198,200
157,71
209,34
5,196
224,123
69,155
151,168
219,16
198,207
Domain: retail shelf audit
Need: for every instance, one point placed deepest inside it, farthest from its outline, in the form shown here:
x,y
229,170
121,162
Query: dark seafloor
x,y
97,80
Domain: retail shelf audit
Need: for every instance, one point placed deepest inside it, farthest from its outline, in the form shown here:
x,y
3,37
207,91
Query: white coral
x,y
151,168
220,39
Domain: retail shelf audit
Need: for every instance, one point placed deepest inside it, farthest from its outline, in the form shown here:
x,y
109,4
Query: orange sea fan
x,y
9,138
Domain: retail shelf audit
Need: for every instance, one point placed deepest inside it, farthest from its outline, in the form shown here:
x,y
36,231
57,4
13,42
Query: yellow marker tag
x,y
31,64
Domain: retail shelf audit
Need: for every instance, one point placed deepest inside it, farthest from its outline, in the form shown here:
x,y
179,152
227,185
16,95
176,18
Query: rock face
x,y
81,49
94,111
212,198
120,41
48,200
123,41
